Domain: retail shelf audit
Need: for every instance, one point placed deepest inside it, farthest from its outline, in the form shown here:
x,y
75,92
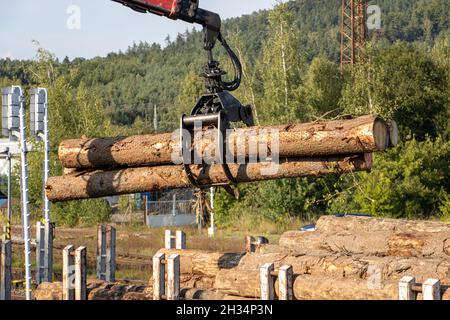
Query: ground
x,y
135,247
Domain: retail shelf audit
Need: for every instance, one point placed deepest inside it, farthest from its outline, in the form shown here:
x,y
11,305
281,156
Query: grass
x,y
135,239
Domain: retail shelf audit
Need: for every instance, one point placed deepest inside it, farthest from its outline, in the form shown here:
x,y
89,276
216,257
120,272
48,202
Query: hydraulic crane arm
x,y
217,107
186,10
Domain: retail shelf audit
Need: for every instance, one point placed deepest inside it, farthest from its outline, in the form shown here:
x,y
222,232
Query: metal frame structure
x,y
39,127
44,230
13,126
24,186
6,247
7,231
353,31
106,253
5,269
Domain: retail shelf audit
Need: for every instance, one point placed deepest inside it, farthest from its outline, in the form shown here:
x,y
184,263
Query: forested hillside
x,y
405,75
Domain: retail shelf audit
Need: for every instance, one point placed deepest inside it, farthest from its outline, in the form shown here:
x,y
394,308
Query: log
x,y
393,133
136,296
188,294
212,294
370,224
360,135
99,183
324,264
199,294
97,290
245,283
48,291
205,263
115,291
378,243
197,281
68,171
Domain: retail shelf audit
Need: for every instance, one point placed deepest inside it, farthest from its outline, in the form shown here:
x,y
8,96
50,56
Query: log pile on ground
x,y
350,258
96,290
345,258
113,166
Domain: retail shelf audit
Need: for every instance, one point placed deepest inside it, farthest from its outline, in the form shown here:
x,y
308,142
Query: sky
x,y
89,28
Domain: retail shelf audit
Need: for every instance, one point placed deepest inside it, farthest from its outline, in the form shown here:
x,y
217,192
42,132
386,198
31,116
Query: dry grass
x,y
144,241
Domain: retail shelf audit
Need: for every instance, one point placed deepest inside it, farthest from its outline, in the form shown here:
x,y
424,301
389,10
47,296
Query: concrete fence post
x,y
101,252
5,269
110,254
169,239
68,273
80,273
285,282
106,253
160,265
40,252
49,234
405,288
174,240
267,282
173,277
180,240
44,252
159,274
431,289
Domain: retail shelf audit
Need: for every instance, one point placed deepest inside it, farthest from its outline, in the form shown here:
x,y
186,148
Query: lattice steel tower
x,y
353,31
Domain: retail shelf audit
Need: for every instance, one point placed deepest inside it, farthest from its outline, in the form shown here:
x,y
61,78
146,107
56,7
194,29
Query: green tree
x,y
322,87
280,67
441,55
73,111
402,83
410,181
191,89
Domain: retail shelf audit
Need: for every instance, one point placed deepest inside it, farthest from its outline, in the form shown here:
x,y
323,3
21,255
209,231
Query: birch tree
x,y
280,67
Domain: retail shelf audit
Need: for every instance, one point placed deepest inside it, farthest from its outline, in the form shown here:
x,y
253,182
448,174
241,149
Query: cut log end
x,y
381,134
393,134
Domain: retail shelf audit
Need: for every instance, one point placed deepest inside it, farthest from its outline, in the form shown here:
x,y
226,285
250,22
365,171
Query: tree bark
x,y
393,133
207,263
99,183
97,290
48,291
211,294
108,292
360,135
320,263
379,243
308,287
371,224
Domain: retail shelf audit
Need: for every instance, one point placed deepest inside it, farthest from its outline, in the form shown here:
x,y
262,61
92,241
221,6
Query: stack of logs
x,y
345,258
113,166
349,257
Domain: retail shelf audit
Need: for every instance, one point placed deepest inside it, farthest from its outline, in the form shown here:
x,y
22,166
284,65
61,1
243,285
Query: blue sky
x,y
105,26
